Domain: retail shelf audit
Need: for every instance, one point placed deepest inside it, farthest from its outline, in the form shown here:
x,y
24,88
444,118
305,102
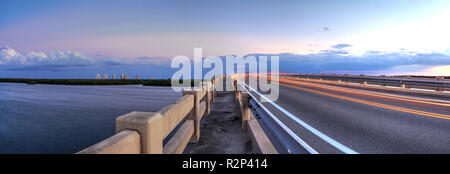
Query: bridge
x,y
177,128
315,113
355,114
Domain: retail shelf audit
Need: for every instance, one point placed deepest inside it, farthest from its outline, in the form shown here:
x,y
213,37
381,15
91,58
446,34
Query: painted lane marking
x,y
437,102
321,135
385,106
369,93
282,125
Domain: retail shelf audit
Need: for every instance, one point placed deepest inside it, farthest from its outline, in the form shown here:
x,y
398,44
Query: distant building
x,y
122,77
97,76
126,76
113,76
105,76
137,77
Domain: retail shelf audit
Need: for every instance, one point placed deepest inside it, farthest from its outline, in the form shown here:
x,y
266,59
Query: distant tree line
x,y
149,82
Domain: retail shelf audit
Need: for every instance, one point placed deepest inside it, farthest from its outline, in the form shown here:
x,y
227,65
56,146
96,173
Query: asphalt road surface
x,y
363,121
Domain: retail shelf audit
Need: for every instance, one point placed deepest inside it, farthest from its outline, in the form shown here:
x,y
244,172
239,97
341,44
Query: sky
x,y
79,38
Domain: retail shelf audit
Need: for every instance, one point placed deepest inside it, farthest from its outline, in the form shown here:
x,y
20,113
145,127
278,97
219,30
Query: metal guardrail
x,y
283,138
280,138
416,82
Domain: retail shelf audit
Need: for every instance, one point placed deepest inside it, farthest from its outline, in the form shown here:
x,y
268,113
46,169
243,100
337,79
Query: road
x,y
363,121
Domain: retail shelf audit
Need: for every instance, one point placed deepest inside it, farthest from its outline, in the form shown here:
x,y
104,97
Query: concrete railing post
x,y
439,89
194,114
403,86
213,90
237,96
236,92
207,87
245,109
148,125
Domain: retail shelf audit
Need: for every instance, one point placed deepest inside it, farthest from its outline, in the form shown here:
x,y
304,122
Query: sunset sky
x,y
125,33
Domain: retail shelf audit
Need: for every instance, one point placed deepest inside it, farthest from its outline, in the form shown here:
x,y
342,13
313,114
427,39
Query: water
x,y
67,119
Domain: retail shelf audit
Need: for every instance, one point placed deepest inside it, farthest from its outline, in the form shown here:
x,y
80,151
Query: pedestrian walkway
x,y
221,131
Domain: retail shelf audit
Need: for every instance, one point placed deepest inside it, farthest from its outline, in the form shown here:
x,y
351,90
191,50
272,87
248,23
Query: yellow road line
x,y
369,93
438,102
372,94
412,111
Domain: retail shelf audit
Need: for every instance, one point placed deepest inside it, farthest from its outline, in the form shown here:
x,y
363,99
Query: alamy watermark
x,y
259,74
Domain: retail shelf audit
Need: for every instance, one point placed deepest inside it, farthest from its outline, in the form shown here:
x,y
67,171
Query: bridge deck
x,y
221,131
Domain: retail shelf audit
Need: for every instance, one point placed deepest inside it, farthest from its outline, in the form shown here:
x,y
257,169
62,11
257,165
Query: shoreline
x,y
148,82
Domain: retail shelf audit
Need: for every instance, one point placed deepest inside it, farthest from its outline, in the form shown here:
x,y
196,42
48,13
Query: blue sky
x,y
81,37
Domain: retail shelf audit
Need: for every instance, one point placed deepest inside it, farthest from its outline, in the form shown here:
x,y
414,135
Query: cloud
x,y
114,62
341,46
334,52
339,61
154,59
72,64
11,59
10,56
379,63
325,29
371,63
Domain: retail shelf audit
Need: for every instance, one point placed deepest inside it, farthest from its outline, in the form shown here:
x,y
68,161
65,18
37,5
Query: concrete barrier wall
x,y
124,142
365,82
176,112
196,114
144,132
384,88
180,139
260,142
149,126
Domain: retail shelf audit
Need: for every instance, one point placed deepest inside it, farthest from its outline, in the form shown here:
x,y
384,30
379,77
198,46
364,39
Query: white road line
x,y
282,125
418,89
324,137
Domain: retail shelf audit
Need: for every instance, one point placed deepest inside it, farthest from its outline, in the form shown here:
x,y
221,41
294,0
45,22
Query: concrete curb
x,y
260,141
